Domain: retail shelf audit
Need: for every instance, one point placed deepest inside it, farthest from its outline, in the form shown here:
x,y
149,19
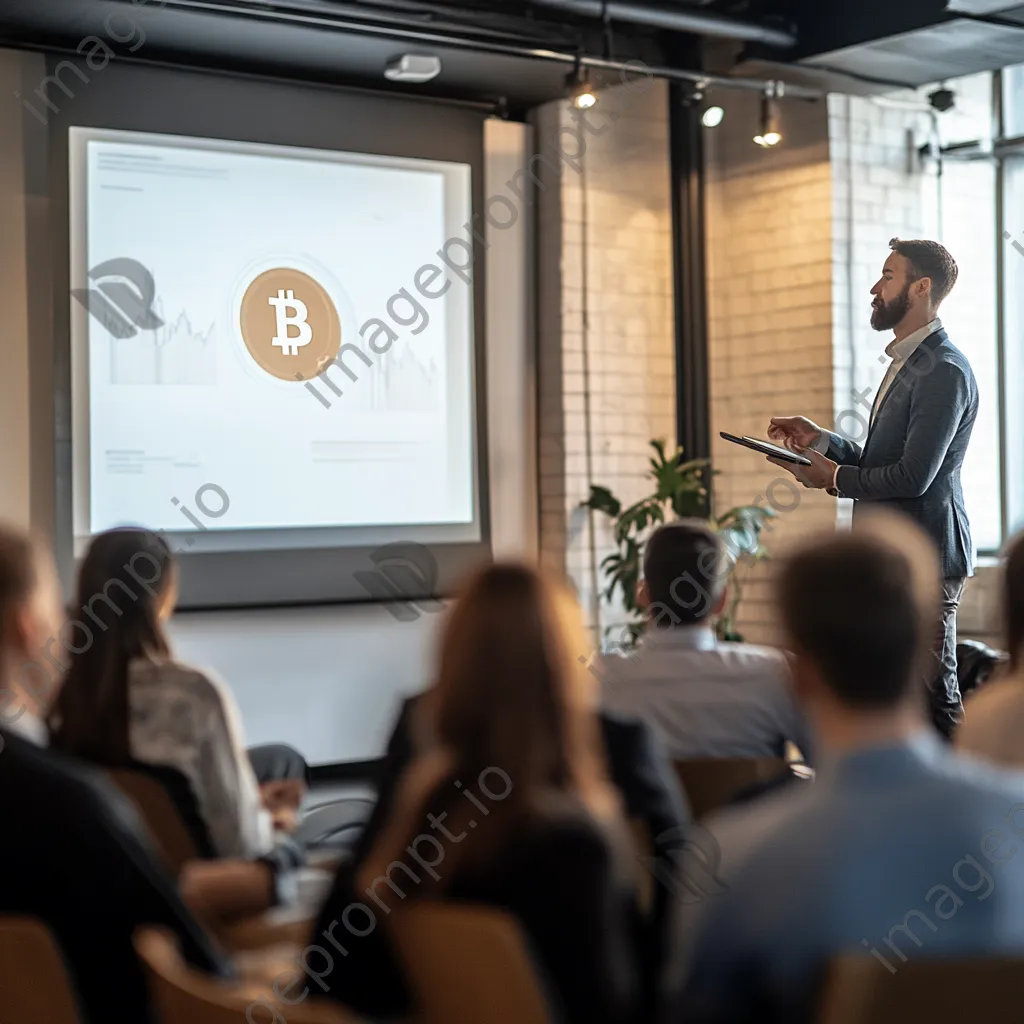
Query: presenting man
x,y
919,429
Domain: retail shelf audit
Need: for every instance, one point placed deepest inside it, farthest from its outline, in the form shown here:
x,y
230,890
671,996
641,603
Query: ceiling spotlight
x,y
581,93
770,135
413,67
694,97
712,117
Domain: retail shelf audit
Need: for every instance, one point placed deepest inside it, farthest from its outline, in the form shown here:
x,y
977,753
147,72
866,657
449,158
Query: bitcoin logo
x,y
288,345
289,324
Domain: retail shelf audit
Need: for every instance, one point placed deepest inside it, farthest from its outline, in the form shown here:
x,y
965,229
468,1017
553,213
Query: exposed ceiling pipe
x,y
705,23
279,15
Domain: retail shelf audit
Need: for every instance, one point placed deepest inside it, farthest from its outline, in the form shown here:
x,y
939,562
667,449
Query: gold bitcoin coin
x,y
289,324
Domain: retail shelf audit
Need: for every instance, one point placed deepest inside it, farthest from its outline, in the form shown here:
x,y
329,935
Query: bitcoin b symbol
x,y
289,337
288,345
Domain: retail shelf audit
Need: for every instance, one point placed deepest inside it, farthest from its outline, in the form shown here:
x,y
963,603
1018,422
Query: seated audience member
x,y
511,780
993,726
896,837
125,699
646,783
72,856
27,692
703,697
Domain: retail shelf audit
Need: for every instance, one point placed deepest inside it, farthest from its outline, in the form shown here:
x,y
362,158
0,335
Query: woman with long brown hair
x,y
993,726
508,805
126,699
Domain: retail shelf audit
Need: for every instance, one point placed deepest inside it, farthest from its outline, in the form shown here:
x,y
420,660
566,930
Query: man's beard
x,y
886,317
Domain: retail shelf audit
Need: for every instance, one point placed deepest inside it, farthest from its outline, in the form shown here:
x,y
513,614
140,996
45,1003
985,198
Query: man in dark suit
x,y
72,856
650,793
919,429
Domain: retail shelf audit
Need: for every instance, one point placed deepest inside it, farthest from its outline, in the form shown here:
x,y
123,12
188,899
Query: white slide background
x,y
185,405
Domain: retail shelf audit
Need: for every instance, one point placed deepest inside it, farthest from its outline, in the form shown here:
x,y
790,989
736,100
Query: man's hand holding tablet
x,y
800,434
767,448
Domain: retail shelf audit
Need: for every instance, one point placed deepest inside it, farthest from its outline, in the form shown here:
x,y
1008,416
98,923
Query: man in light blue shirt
x,y
704,698
900,849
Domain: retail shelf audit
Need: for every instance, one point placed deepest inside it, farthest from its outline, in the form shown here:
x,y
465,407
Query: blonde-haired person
x,y
508,804
994,717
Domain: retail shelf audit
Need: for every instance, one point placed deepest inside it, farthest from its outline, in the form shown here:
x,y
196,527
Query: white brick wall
x,y
877,195
770,315
630,340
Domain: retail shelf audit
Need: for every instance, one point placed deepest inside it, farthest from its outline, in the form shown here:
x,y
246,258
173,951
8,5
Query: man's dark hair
x,y
1013,600
685,568
853,606
931,260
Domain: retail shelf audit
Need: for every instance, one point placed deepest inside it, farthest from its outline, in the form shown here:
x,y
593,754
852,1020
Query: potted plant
x,y
679,491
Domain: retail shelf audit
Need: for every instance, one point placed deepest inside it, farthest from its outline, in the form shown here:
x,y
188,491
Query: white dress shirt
x,y
898,351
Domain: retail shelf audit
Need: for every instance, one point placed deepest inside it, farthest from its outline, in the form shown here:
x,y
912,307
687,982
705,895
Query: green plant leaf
x,y
680,489
602,500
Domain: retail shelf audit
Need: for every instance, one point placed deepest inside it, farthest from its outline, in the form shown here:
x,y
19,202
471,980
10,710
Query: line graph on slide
x,y
176,353
399,381
406,384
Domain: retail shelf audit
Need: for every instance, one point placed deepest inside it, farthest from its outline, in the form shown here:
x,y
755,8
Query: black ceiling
x,y
493,49
339,42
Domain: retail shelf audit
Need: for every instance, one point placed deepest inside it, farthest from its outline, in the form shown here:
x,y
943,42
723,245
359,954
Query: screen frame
x,y
213,108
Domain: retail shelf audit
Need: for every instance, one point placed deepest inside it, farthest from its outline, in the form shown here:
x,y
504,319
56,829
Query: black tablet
x,y
767,448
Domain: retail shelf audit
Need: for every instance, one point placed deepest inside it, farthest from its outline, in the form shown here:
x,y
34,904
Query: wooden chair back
x,y
34,984
166,826
938,990
711,783
183,995
468,963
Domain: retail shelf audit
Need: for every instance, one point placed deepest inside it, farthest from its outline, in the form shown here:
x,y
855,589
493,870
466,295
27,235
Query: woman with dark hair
x,y
510,803
125,699
993,726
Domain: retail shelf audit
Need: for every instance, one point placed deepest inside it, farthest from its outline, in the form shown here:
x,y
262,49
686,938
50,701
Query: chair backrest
x,y
937,990
336,823
183,995
34,984
975,663
468,963
174,841
711,783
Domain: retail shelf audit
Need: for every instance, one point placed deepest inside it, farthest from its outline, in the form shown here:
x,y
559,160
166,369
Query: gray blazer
x,y
915,447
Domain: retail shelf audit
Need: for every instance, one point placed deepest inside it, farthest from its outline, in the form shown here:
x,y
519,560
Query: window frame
x,y
1001,148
